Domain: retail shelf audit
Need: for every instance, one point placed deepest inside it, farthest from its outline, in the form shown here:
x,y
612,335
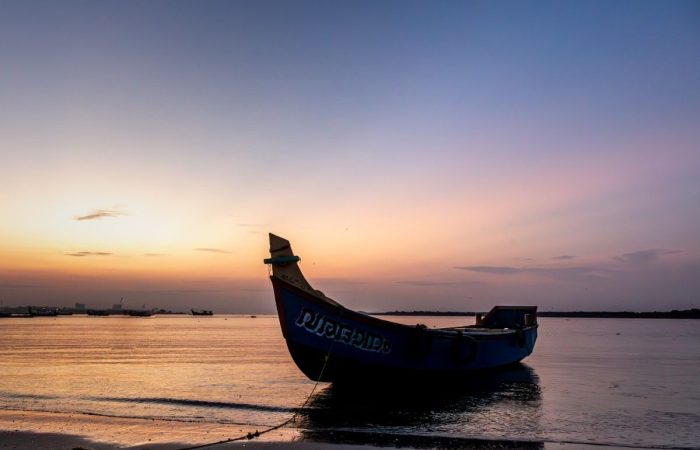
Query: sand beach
x,y
22,430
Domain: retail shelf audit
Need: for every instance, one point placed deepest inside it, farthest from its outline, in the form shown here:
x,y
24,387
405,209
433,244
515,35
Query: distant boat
x,y
10,315
27,314
329,342
97,312
140,313
43,312
202,312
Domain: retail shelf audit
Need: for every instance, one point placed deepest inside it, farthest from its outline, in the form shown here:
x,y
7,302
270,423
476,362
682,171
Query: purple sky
x,y
441,155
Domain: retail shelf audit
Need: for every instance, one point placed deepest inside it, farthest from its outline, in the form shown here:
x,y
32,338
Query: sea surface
x,y
622,382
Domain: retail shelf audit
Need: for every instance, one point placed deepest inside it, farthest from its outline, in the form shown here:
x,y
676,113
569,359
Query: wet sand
x,y
27,430
35,430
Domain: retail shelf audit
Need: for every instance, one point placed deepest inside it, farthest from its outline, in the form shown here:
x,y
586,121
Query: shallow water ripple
x,y
607,381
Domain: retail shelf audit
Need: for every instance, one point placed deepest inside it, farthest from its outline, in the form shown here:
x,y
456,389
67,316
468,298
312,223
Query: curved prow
x,y
284,264
280,252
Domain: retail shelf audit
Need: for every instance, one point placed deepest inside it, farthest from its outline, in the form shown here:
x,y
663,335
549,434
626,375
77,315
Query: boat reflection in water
x,y
501,410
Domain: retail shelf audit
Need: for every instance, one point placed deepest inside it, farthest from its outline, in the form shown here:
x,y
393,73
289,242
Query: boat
x,y
15,315
331,343
43,311
97,312
202,312
139,313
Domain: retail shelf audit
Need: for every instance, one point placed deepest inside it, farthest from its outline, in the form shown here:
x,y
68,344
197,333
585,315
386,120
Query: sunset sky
x,y
418,155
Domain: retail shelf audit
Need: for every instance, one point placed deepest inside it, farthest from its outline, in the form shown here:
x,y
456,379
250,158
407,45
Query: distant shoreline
x,y
674,314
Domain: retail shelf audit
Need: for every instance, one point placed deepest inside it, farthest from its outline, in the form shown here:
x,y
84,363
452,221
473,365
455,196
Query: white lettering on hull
x,y
323,326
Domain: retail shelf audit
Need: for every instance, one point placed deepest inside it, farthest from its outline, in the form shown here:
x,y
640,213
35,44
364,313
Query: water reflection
x,y
492,405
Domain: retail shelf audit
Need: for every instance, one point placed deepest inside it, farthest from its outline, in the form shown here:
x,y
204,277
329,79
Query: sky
x,y
418,155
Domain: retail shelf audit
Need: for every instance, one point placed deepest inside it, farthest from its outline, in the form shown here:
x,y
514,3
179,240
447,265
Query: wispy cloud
x,y
563,257
556,273
522,258
634,263
211,250
184,291
642,257
101,214
492,269
340,281
13,285
253,228
429,283
153,254
89,254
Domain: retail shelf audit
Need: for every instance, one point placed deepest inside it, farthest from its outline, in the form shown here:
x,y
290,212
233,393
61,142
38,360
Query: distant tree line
x,y
674,314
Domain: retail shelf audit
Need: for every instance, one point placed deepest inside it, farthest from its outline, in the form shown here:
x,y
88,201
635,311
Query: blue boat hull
x,y
331,343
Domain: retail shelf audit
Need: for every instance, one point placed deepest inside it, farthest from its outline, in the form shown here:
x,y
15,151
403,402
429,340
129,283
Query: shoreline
x,y
692,313
675,314
99,432
29,430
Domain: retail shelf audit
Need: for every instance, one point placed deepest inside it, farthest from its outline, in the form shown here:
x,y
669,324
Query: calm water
x,y
606,381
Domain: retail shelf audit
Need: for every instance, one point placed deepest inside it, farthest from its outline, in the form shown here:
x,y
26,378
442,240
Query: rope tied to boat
x,y
253,435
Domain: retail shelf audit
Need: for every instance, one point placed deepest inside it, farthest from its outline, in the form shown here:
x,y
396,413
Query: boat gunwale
x,y
448,332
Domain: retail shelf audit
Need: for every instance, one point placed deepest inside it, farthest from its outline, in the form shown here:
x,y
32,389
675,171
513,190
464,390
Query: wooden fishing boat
x,y
329,342
202,312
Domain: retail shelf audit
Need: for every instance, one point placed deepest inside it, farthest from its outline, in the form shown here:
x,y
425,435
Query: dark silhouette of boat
x,y
10,315
97,312
43,312
329,342
139,313
202,312
14,313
